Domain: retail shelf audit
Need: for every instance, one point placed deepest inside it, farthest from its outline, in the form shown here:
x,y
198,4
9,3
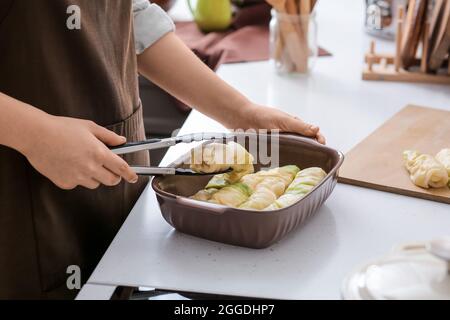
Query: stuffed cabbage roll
x,y
219,181
443,157
204,195
209,158
285,173
425,171
252,180
272,184
265,194
307,177
224,179
303,183
232,195
214,157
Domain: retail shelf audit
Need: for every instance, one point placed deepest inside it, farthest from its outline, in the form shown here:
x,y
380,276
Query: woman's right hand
x,y
73,152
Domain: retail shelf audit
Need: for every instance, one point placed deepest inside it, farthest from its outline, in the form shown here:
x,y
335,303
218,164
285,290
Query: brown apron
x,y
90,74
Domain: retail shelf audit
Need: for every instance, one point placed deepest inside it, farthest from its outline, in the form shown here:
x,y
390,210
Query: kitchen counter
x,y
354,225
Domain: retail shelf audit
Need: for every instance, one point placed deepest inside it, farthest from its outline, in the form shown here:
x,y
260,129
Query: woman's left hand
x,y
261,117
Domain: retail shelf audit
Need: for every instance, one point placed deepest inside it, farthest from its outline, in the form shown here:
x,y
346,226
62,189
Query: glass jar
x,y
293,42
381,17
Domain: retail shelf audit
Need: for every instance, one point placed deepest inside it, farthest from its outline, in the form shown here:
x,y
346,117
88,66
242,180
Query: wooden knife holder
x,y
388,67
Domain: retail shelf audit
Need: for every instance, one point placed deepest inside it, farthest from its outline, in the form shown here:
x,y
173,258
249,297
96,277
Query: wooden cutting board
x,y
377,162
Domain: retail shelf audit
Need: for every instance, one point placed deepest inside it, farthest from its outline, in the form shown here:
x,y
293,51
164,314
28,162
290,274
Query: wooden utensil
x,y
302,32
377,162
435,19
291,7
388,67
305,7
289,33
440,39
414,24
278,5
425,48
399,38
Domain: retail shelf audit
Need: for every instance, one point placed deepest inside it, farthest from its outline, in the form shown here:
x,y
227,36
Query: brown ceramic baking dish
x,y
253,229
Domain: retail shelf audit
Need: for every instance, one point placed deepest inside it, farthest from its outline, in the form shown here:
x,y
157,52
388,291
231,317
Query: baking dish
x,y
253,229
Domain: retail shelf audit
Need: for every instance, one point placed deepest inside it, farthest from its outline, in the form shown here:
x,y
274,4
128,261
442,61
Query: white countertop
x,y
354,225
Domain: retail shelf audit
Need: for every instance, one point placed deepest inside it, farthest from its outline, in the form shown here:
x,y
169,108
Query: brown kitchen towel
x,y
246,40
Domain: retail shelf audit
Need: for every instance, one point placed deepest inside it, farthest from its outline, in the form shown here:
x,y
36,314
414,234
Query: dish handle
x,y
195,204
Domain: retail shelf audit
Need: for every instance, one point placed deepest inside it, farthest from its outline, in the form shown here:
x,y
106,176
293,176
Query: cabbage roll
x,y
252,180
303,183
272,184
214,157
444,158
307,177
209,158
264,195
219,181
204,195
232,195
241,161
285,173
425,171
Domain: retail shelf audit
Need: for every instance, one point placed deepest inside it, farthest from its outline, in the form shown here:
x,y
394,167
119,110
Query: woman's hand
x,y
72,152
261,117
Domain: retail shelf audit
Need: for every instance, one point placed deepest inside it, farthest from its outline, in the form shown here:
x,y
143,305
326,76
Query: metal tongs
x,y
153,144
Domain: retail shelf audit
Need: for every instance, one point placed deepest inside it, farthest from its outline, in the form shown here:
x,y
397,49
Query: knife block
x,y
388,67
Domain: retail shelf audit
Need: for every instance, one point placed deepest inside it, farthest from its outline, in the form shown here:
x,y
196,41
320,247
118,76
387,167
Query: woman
x,y
68,90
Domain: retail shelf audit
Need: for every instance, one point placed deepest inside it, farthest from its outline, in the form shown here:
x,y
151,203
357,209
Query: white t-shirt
x,y
150,24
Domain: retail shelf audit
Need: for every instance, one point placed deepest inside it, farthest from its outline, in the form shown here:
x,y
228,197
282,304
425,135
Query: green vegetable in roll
x,y
252,180
204,195
303,183
219,181
215,157
224,179
272,185
232,195
285,173
254,191
260,199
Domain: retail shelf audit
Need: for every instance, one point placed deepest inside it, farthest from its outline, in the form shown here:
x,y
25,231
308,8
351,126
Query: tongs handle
x,y
158,171
153,171
150,144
